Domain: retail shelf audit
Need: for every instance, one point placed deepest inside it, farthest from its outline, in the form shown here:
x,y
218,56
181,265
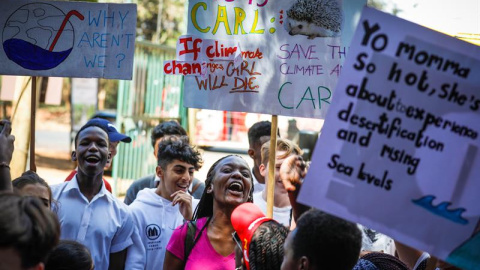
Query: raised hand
x,y
185,200
6,142
292,172
6,152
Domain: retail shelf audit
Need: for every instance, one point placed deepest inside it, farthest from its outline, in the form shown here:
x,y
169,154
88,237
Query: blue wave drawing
x,y
454,215
32,57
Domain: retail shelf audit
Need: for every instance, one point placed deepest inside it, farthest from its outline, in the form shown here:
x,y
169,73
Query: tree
x,y
383,5
171,20
378,4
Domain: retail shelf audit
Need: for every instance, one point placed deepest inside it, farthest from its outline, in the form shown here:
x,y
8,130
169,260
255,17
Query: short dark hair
x,y
31,178
327,241
69,255
178,148
87,125
258,130
28,227
266,247
167,128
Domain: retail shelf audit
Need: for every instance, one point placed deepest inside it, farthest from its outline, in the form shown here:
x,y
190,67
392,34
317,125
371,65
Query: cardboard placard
x,y
67,39
264,56
399,149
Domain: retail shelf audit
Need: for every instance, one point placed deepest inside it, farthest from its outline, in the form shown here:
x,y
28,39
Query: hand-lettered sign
x,y
399,151
264,56
67,39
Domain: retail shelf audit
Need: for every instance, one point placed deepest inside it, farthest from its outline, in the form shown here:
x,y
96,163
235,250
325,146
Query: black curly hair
x,y
71,255
327,241
205,205
166,128
384,261
266,247
173,148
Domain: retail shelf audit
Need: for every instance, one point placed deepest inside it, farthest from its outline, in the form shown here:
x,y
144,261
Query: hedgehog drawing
x,y
314,18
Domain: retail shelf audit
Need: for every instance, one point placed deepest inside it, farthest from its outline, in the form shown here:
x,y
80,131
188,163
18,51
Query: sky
x,y
447,16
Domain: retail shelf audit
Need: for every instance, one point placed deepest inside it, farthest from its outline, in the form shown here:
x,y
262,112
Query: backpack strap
x,y
190,238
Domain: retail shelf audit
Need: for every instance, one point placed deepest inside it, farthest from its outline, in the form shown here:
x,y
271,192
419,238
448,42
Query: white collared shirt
x,y
104,224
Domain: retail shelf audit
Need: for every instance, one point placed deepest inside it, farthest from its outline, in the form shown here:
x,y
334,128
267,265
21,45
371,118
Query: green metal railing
x,y
149,98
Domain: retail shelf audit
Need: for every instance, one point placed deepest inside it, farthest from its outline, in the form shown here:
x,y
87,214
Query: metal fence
x,y
150,98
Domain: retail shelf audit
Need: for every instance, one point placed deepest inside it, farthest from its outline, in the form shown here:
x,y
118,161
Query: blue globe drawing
x,y
38,36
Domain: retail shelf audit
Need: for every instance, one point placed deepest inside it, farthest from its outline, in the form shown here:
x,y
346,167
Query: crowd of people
x,y
171,220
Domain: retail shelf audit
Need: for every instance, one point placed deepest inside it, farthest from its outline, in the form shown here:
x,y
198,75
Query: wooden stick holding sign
x,y
271,168
33,110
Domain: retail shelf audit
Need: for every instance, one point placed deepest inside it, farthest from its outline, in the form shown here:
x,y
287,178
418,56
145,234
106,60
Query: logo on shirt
x,y
153,231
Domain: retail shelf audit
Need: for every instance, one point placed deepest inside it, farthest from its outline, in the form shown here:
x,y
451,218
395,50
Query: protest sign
x,y
84,91
266,56
399,149
67,39
8,88
54,91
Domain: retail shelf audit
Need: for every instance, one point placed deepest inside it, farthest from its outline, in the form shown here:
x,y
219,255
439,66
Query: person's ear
x,y
303,263
159,172
210,188
251,152
74,156
263,170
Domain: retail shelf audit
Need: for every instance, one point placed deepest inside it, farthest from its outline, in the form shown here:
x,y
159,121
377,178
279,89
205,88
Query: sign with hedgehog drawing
x,y
67,39
264,56
399,151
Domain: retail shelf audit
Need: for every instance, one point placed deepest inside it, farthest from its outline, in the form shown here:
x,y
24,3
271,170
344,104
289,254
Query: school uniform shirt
x,y
281,214
155,219
74,172
104,224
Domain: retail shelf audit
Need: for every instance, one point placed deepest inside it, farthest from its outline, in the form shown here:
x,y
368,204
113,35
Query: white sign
x,y
67,39
8,88
54,91
266,56
399,151
84,91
